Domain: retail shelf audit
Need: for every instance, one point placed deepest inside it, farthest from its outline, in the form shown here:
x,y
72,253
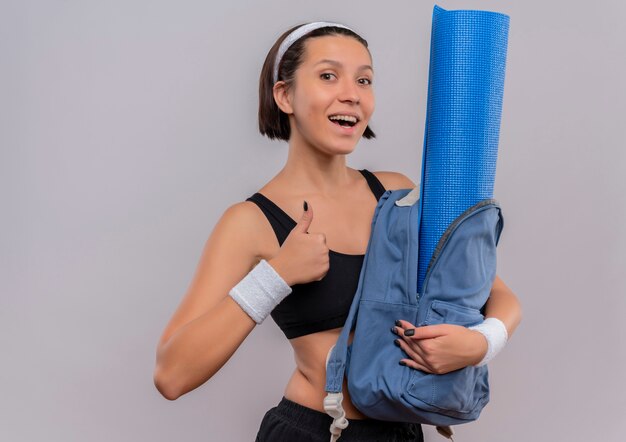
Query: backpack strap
x,y
337,355
336,364
336,359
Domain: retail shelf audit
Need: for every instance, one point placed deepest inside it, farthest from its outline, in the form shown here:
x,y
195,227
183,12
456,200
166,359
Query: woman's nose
x,y
349,92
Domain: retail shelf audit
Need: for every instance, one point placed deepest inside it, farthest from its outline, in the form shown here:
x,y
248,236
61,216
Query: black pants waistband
x,y
316,421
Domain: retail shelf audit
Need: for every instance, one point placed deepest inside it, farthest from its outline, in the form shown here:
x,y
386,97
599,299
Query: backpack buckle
x,y
410,198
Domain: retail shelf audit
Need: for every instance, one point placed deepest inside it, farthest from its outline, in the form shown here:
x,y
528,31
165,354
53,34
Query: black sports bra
x,y
318,305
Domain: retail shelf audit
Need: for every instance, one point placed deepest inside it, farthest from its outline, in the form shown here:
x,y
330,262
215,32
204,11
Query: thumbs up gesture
x,y
303,256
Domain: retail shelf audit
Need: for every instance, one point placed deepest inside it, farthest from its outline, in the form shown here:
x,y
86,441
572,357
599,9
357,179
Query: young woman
x,y
295,248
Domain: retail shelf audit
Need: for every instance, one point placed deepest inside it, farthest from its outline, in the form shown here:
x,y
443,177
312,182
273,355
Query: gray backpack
x,y
457,284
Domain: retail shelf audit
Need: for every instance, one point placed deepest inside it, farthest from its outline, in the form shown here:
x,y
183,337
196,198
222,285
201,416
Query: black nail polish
x,y
393,330
409,332
397,342
398,323
306,206
402,363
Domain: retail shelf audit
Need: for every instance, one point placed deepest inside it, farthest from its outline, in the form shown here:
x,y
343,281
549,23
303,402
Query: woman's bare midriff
x,y
307,384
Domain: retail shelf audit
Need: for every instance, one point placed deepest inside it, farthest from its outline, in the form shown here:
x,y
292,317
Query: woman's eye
x,y
328,76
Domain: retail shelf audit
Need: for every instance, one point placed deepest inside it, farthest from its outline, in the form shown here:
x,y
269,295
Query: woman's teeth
x,y
343,120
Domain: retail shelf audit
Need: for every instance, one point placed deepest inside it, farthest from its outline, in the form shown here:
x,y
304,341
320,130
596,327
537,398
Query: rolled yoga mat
x,y
465,89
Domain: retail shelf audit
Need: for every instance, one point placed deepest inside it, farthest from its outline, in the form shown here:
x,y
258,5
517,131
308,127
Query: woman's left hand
x,y
440,348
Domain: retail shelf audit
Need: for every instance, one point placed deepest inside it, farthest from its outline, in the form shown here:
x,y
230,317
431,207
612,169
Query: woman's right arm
x,y
209,325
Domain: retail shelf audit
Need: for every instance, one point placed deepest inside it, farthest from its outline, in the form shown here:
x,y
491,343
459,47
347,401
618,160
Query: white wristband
x,y
495,332
260,291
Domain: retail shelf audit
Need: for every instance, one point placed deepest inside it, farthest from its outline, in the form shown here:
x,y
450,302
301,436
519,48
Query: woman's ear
x,y
282,97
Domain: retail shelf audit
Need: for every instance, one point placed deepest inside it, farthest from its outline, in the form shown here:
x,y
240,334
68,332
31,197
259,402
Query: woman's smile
x,y
344,127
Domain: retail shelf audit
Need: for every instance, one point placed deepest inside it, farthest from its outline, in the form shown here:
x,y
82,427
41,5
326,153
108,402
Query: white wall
x,y
127,127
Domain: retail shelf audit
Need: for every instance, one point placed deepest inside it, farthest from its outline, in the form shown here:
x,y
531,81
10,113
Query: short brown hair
x,y
274,123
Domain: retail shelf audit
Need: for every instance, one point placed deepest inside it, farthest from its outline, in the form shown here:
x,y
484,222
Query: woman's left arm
x,y
443,348
504,305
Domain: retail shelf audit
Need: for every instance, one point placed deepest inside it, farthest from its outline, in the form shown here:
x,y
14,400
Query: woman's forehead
x,y
337,50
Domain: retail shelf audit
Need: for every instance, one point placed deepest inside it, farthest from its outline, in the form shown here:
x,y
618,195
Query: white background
x,y
128,127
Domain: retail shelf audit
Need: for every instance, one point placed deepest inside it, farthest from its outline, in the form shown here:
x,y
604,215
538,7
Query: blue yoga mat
x,y
465,89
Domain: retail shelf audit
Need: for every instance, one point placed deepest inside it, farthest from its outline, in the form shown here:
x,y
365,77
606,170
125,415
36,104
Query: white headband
x,y
296,35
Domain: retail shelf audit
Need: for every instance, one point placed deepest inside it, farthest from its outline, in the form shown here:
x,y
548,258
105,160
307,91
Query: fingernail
x,y
393,330
397,342
306,206
402,363
398,323
409,332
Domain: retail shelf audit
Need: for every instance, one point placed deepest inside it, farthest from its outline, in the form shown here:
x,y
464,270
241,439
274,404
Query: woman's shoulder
x,y
240,224
394,180
244,216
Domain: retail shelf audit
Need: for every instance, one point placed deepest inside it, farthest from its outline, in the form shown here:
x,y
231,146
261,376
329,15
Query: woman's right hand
x,y
303,257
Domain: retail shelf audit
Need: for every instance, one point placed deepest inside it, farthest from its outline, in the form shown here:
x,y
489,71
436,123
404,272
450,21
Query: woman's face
x,y
335,78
